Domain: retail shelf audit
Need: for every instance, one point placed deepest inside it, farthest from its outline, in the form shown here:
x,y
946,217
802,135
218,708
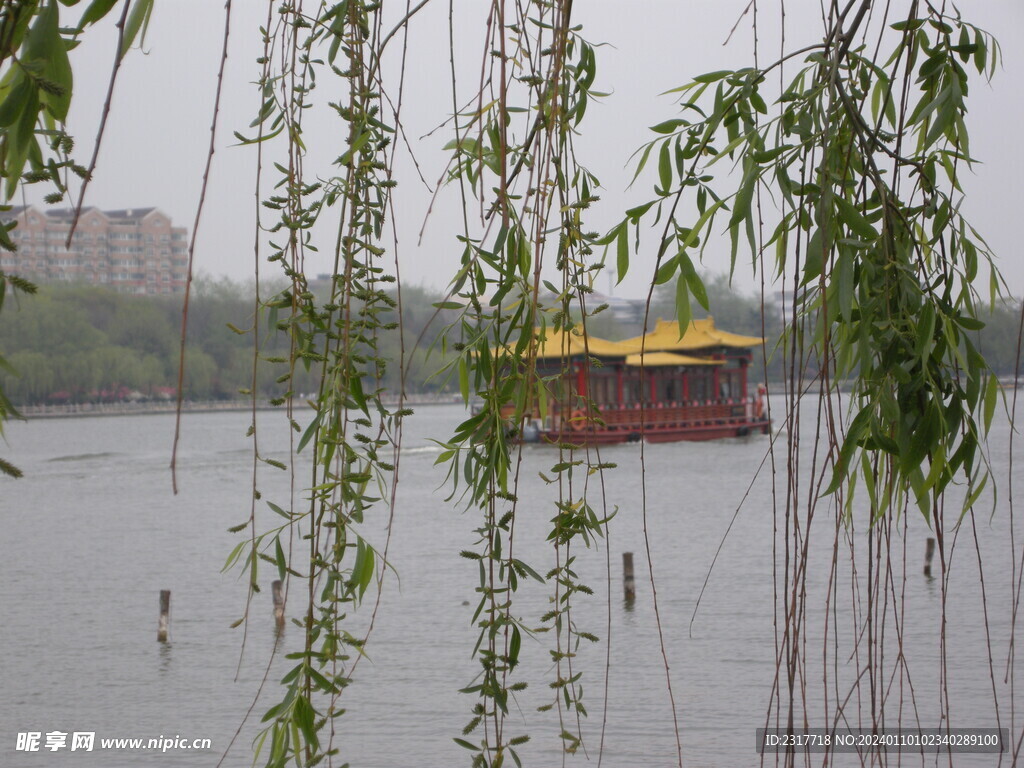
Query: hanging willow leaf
x,y
622,251
138,22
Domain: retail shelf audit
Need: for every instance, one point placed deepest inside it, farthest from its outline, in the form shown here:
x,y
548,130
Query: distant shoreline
x,y
82,410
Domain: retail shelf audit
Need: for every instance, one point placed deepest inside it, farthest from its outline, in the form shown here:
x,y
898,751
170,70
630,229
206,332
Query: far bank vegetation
x,y
79,343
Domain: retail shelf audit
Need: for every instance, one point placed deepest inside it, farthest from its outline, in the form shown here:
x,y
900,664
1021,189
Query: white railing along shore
x,y
126,408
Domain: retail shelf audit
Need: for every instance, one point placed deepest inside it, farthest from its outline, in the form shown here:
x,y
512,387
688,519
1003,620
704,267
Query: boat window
x,y
700,385
602,387
670,387
631,387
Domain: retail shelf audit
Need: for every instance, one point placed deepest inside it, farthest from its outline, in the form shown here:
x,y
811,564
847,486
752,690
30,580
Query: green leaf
x,y
694,233
693,281
741,208
16,101
925,330
972,499
464,379
20,137
665,169
922,439
57,68
355,391
979,52
850,444
353,150
668,126
304,715
622,252
643,161
97,10
910,24
275,508
634,214
853,219
282,562
940,124
727,150
138,21
844,283
991,397
814,258
683,311
513,647
666,270
6,468
529,571
758,103
711,77
767,155
366,573
235,554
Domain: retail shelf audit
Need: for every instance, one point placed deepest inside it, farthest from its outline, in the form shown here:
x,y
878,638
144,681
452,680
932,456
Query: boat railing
x,y
654,416
676,414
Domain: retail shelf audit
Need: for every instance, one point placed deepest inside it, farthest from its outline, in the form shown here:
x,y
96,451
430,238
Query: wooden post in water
x,y
929,553
165,616
628,584
278,603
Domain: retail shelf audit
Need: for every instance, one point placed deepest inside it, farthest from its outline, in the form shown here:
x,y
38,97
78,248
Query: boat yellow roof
x,y
652,359
701,334
664,340
560,343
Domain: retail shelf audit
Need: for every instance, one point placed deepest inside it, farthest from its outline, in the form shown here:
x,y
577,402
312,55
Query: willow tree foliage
x,y
36,84
849,179
860,160
845,189
841,182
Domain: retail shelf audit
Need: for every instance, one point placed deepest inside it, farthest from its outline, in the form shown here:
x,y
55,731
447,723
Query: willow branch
x,y
192,244
118,56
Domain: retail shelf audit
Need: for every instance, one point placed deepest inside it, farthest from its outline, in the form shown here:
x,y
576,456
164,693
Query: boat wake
x,y
84,456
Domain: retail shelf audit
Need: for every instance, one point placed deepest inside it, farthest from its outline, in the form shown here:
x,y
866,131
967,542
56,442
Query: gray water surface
x,y
92,533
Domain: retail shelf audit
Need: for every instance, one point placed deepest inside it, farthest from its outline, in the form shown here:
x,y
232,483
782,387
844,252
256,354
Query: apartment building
x,y
133,250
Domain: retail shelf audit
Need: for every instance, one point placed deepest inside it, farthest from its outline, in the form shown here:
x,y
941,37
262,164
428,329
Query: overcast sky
x,y
155,146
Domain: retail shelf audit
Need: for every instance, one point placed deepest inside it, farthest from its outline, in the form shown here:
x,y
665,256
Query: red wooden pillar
x,y
618,385
581,380
744,365
716,392
686,386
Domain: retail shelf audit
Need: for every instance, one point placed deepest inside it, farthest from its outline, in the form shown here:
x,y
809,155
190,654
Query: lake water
x,y
92,533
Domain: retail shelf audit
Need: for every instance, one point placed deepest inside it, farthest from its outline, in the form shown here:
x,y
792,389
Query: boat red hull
x,y
657,433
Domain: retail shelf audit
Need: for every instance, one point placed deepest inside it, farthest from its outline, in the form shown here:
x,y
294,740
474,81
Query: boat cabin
x,y
660,387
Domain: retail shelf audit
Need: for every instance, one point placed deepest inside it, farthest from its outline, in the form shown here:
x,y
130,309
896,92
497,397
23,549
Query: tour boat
x,y
661,387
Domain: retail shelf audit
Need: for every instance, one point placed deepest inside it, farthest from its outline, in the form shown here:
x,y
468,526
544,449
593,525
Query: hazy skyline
x,y
157,137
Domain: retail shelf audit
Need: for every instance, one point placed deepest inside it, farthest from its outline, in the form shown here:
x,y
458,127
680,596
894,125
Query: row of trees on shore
x,y
78,343
82,343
